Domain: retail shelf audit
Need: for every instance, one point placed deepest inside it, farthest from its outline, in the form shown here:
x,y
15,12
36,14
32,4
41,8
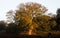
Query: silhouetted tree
x,y
12,28
58,18
2,25
15,29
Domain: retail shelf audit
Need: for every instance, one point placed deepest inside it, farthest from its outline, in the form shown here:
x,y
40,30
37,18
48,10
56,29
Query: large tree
x,y
27,11
30,16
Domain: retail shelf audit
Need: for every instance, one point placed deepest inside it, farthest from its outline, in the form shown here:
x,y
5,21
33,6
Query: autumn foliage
x,y
30,19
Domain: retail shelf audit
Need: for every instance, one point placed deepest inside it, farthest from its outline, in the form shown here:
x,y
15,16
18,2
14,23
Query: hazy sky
x,y
6,5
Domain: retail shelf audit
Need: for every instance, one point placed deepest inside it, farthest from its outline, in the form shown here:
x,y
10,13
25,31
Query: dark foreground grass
x,y
27,36
10,35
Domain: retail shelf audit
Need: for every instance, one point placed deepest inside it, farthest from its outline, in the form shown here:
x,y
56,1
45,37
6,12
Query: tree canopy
x,y
30,18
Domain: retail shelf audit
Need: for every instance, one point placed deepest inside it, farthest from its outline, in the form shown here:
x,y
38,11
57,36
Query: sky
x,y
6,5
